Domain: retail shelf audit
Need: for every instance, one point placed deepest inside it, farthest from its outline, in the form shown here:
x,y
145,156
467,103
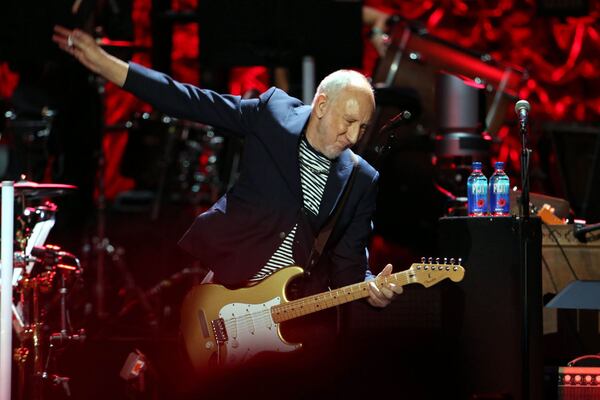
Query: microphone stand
x,y
379,142
525,154
525,235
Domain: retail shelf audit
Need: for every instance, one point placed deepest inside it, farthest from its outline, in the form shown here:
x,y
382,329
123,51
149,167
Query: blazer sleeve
x,y
186,101
349,259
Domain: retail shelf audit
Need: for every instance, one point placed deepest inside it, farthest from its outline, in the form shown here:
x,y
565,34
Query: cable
x,y
549,273
571,323
561,250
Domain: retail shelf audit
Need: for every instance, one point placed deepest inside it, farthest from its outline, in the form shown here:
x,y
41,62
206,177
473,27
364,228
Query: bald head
x,y
341,110
342,79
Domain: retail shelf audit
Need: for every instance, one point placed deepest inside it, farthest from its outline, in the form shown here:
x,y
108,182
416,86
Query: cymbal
x,y
33,190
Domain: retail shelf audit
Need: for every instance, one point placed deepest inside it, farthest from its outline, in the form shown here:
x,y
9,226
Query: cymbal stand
x,y
165,164
100,242
37,339
63,337
101,246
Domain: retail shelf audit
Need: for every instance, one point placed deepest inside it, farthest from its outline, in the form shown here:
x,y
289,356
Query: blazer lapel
x,y
286,153
336,181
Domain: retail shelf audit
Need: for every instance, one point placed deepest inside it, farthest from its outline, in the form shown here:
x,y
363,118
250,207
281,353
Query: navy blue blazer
x,y
239,233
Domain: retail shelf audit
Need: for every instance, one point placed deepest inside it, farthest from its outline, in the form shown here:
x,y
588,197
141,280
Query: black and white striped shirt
x,y
314,169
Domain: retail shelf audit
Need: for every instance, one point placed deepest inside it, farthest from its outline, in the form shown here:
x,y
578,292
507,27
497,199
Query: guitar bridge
x,y
219,330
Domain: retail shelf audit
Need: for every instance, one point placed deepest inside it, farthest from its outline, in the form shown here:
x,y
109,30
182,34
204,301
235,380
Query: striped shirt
x,y
314,169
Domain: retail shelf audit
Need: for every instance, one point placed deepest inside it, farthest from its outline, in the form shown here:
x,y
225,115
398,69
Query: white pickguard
x,y
251,330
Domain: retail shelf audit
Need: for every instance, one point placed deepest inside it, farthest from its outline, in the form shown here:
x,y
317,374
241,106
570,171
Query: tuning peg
x,y
437,260
459,260
422,260
452,261
445,260
430,260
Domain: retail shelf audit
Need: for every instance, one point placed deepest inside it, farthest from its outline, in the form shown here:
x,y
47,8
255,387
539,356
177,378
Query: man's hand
x,y
381,296
85,49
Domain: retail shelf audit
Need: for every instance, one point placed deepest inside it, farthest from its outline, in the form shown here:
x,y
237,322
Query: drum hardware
x,y
57,380
130,287
40,270
35,223
66,335
163,168
157,289
415,52
171,160
51,264
29,220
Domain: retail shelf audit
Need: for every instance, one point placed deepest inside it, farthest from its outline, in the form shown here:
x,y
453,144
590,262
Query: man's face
x,y
342,120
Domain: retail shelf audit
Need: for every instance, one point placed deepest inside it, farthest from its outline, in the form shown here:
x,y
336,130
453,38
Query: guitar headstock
x,y
431,271
546,213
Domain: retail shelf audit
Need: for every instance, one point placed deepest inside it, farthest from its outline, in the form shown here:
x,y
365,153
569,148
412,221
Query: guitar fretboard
x,y
346,294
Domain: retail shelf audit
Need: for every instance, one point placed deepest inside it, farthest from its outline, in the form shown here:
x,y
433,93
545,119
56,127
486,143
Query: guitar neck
x,y
346,294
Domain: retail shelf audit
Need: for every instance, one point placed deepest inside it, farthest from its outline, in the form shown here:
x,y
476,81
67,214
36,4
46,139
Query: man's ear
x,y
321,105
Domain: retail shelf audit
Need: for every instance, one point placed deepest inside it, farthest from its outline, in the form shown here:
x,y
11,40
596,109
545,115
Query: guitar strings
x,y
249,321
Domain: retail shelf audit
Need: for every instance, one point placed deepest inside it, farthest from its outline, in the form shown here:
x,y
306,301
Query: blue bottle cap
x,y
476,164
499,165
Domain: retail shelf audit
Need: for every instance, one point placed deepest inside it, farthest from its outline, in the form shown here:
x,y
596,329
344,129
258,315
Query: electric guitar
x,y
227,327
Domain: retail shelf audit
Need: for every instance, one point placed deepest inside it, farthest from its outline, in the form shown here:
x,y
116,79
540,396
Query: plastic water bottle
x,y
499,191
477,189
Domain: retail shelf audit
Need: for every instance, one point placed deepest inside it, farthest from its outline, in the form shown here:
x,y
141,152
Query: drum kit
x,y
42,278
46,278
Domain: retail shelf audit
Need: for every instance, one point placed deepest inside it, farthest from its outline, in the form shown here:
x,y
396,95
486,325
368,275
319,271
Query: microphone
x,y
380,145
399,119
522,109
581,232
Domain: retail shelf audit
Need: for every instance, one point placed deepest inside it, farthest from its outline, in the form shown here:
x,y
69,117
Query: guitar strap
x,y
323,236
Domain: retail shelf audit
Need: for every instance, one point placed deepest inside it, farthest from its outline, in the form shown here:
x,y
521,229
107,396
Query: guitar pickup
x,y
220,330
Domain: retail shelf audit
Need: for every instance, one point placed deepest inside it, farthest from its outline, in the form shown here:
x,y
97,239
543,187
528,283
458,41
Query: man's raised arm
x,y
176,99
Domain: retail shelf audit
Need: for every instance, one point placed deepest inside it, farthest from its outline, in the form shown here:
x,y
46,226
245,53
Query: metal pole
x,y
524,240
7,254
308,79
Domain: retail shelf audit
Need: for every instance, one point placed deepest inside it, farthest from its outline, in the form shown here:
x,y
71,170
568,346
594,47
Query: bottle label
x,y
478,190
500,197
501,187
478,198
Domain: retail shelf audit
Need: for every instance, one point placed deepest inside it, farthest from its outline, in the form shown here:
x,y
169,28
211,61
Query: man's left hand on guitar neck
x,y
382,296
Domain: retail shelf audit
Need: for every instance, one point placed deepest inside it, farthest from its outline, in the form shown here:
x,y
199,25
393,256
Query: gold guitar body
x,y
227,327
